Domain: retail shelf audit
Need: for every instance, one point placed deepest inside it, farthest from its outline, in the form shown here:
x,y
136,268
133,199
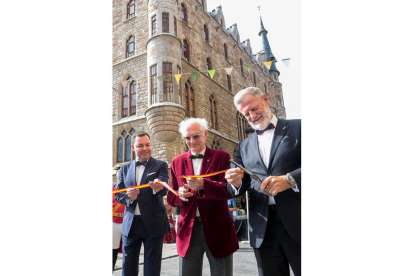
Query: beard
x,y
267,116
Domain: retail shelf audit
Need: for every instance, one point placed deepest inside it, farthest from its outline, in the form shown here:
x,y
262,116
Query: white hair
x,y
254,91
185,123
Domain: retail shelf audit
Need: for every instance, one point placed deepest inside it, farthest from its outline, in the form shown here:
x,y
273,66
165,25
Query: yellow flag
x,y
248,67
177,78
267,64
211,72
228,70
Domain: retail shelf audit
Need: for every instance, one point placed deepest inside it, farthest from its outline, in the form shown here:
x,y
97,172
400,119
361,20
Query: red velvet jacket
x,y
217,224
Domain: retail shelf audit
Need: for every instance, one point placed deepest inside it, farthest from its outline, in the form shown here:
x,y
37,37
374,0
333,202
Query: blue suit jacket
x,y
151,205
285,157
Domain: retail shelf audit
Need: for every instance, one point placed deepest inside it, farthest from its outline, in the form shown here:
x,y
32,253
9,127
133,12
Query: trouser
x,y
192,263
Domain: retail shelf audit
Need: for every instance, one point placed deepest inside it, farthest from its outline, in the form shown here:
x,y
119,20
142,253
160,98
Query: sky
x,y
282,20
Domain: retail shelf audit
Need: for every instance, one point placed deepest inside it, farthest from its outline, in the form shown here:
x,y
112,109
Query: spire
x,y
266,47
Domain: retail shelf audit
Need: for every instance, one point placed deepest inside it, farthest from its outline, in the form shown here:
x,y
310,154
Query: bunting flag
x,y
194,74
124,83
228,70
248,67
211,73
177,78
205,175
286,61
267,64
160,79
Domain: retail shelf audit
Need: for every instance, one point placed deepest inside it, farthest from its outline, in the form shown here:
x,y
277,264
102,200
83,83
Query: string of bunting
x,y
210,72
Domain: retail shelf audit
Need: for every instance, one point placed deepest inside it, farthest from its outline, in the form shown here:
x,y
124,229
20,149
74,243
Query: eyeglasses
x,y
194,136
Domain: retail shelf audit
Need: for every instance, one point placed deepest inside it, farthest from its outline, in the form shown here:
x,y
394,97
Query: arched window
x,y
130,46
265,89
167,81
242,125
184,14
213,112
226,51
229,86
129,104
208,63
131,9
254,79
189,100
124,146
165,22
206,33
186,50
154,25
241,67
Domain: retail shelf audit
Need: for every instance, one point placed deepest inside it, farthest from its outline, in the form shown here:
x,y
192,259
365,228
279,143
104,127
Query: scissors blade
x,y
253,175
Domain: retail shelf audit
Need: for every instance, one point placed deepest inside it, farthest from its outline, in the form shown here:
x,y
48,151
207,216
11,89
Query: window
x,y
129,104
154,25
175,26
189,100
131,9
213,112
130,46
242,125
215,144
165,22
206,33
124,146
186,50
254,79
229,87
184,14
241,67
202,4
167,81
265,89
208,63
153,77
180,96
226,52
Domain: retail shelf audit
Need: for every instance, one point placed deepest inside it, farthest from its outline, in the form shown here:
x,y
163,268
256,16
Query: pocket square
x,y
151,173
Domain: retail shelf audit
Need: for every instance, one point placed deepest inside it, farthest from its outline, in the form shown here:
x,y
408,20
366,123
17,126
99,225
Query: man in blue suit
x,y
273,152
145,219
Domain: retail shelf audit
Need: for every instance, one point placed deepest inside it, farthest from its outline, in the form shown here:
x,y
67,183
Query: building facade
x,y
154,40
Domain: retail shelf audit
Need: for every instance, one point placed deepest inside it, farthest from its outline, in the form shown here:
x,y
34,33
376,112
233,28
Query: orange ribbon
x,y
205,175
144,186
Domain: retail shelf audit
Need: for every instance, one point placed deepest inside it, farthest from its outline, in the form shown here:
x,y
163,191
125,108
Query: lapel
x,y
282,127
206,163
188,164
132,180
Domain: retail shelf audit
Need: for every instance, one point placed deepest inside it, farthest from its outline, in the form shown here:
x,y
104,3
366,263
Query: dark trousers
x,y
192,263
278,249
131,247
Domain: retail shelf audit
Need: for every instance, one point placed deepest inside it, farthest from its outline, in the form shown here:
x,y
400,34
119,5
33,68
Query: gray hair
x,y
185,123
254,91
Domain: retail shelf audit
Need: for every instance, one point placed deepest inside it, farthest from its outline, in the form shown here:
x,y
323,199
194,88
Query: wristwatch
x,y
291,181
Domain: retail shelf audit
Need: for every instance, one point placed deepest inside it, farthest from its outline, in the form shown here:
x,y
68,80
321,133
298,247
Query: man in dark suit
x,y
204,224
273,152
145,219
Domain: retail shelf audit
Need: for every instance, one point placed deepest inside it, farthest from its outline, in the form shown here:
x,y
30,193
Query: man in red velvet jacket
x,y
205,224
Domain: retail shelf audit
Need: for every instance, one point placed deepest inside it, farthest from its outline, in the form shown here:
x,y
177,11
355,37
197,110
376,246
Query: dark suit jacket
x,y
218,226
151,206
285,157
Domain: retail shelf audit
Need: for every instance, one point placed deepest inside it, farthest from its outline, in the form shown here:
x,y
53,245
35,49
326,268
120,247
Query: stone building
x,y
152,41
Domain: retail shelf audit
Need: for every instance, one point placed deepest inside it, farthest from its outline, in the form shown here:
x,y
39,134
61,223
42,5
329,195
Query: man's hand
x,y
132,193
183,193
156,186
234,177
275,184
195,183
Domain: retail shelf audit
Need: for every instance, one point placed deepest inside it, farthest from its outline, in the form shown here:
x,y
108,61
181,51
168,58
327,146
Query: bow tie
x,y
270,126
139,163
196,156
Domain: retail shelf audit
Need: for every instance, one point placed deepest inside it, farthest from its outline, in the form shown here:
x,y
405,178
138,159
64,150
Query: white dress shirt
x,y
197,167
138,175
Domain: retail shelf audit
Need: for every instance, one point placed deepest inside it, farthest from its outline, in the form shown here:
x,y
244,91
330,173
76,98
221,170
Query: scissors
x,y
252,175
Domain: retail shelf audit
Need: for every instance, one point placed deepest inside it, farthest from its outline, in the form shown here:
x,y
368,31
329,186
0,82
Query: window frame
x,y
153,25
128,44
165,22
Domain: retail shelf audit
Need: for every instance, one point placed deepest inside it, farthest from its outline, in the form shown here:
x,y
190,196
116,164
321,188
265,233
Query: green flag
x,y
248,67
194,74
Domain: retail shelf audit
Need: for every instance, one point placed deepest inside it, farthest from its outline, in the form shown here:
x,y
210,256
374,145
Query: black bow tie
x,y
196,156
270,126
141,163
